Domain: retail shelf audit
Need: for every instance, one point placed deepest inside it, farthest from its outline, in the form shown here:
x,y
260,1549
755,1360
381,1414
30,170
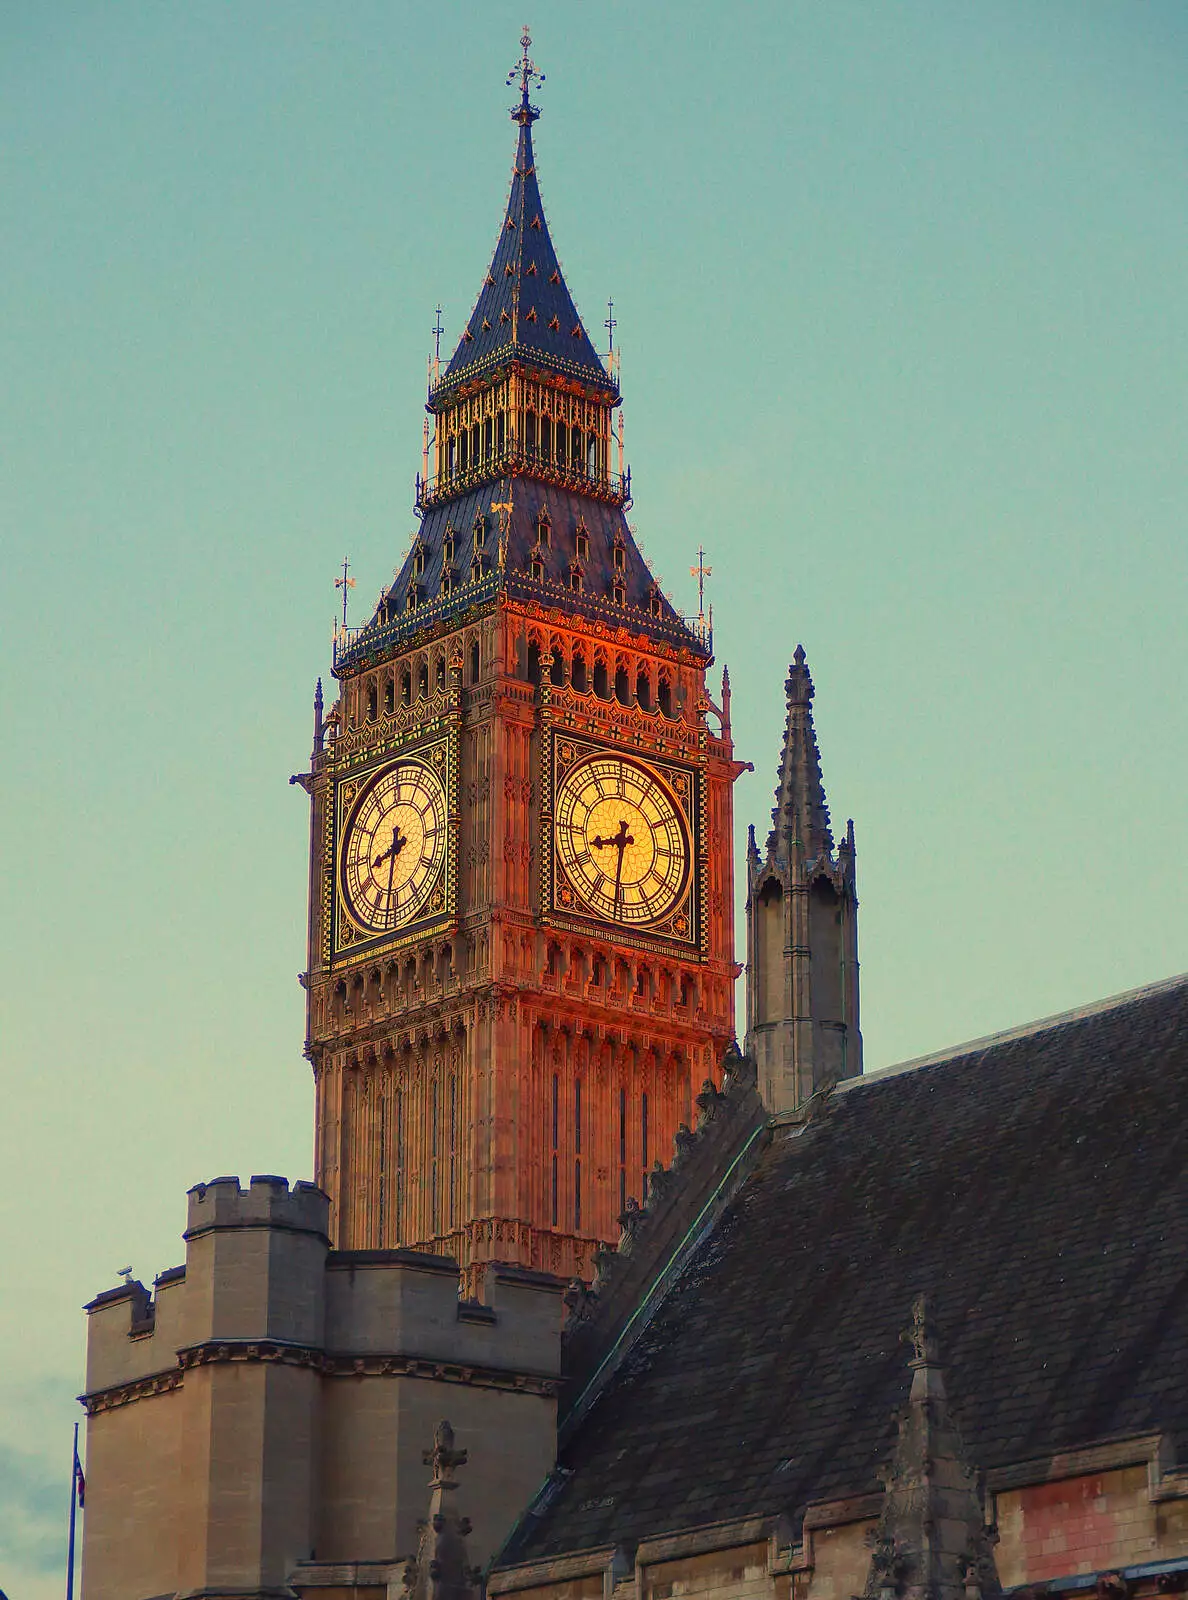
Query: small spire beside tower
x,y
802,926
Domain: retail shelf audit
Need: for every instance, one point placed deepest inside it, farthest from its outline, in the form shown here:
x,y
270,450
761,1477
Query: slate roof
x,y
1035,1187
567,512
524,309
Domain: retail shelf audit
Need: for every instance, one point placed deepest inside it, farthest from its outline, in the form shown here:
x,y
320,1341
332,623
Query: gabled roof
x,y
524,309
1035,1189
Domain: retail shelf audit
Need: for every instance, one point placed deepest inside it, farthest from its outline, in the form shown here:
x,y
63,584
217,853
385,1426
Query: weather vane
x,y
344,583
701,572
525,71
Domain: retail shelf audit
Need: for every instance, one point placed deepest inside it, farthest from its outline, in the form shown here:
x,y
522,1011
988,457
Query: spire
x,y
441,1570
802,926
931,1542
524,309
800,812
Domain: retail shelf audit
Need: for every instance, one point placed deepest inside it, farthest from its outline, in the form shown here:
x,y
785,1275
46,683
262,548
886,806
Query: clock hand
x,y
620,841
392,854
393,849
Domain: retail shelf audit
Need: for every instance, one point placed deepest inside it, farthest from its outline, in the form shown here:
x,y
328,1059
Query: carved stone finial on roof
x,y
441,1570
443,1458
931,1542
925,1349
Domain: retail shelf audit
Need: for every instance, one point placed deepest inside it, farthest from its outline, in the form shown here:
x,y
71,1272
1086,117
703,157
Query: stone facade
x,y
271,1402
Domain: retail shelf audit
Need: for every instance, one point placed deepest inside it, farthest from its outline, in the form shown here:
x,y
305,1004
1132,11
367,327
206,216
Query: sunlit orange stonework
x,y
521,949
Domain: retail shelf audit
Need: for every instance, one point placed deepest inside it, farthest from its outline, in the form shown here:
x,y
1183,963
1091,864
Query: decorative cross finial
x,y
525,71
438,330
443,1458
610,324
344,583
701,572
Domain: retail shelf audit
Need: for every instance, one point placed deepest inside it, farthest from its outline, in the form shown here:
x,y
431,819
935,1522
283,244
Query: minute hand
x,y
620,841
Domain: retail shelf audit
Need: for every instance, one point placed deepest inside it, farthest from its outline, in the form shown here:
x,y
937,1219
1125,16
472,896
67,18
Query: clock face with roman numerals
x,y
621,840
393,846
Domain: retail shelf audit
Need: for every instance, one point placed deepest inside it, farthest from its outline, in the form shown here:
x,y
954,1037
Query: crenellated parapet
x,y
300,1364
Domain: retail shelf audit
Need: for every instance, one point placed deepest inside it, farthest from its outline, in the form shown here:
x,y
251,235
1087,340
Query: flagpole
x,y
73,1510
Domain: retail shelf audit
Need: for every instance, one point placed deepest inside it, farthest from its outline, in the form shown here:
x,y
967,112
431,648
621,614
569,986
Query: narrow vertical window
x,y
398,1174
433,1165
453,1146
556,1120
622,1149
577,1155
381,1204
643,1132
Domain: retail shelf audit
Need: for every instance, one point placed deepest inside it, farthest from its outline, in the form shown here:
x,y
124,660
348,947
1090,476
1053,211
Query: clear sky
x,y
901,299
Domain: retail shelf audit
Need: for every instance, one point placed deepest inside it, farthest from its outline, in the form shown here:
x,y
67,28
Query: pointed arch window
x,y
479,531
581,542
556,1142
577,1155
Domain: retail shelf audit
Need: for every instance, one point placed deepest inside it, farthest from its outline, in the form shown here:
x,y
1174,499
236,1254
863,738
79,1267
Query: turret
x,y
802,926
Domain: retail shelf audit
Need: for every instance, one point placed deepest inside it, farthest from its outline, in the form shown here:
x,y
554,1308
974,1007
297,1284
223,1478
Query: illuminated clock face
x,y
393,846
621,840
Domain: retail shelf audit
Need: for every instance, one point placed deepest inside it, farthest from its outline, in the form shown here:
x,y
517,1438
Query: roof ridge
x,y
1024,1030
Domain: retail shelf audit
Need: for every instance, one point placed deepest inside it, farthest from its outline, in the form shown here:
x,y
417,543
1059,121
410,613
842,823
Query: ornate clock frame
x,y
428,730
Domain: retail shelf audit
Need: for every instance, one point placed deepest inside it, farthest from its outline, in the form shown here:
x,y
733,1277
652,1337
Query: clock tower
x,y
521,949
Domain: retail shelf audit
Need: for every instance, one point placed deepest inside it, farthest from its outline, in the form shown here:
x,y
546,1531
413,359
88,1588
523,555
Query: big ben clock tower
x,y
521,954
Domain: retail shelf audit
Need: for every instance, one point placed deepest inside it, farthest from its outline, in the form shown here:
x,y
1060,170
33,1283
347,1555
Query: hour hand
x,y
393,849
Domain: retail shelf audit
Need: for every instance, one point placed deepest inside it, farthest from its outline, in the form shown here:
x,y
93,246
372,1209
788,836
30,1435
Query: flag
x,y
80,1483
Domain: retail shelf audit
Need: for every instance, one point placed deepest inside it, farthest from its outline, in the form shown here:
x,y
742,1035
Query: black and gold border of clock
x,y
347,939
680,929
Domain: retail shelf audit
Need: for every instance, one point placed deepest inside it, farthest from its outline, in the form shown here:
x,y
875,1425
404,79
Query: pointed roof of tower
x,y
931,1542
524,309
800,811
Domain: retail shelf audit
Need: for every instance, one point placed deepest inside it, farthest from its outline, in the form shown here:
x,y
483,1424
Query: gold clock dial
x,y
621,840
393,846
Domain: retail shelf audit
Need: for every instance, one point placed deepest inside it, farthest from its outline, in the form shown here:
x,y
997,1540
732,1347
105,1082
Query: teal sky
x,y
901,299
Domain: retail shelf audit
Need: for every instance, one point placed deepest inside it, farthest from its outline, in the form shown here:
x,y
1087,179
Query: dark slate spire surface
x,y
800,811
524,309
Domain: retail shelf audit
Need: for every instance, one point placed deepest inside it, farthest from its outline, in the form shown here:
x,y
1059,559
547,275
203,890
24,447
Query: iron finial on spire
x,y
610,325
701,572
346,584
525,71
